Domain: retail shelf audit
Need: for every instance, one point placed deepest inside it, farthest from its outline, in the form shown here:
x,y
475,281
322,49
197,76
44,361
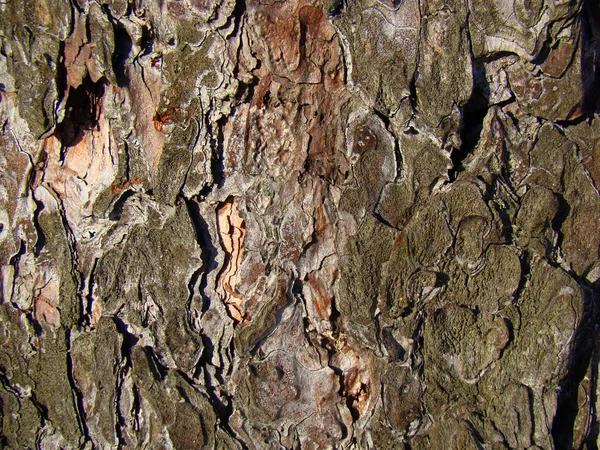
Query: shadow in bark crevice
x,y
209,251
81,111
584,355
590,57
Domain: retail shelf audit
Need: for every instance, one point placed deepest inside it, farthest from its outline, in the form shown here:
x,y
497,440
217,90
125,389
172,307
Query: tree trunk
x,y
299,224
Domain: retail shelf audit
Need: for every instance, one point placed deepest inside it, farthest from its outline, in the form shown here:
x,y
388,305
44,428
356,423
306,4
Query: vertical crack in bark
x,y
74,267
123,46
14,262
120,419
222,409
557,224
209,252
567,409
593,428
216,160
41,237
590,57
77,395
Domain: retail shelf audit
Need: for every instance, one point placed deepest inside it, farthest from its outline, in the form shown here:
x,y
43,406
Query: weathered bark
x,y
299,224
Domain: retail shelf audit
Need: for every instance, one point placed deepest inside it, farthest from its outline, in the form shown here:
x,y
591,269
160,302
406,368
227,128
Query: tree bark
x,y
299,224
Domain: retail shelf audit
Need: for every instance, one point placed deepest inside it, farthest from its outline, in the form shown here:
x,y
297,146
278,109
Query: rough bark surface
x,y
299,224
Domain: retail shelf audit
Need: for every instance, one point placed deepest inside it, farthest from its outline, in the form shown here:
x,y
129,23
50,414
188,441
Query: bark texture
x,y
239,224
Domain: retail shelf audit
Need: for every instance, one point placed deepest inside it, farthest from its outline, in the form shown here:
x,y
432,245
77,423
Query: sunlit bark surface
x,y
299,224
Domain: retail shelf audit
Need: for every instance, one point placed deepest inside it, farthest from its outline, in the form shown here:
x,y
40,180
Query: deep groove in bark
x,y
579,359
76,393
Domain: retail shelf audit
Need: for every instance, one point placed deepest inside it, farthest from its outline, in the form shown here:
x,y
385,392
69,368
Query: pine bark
x,y
299,224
